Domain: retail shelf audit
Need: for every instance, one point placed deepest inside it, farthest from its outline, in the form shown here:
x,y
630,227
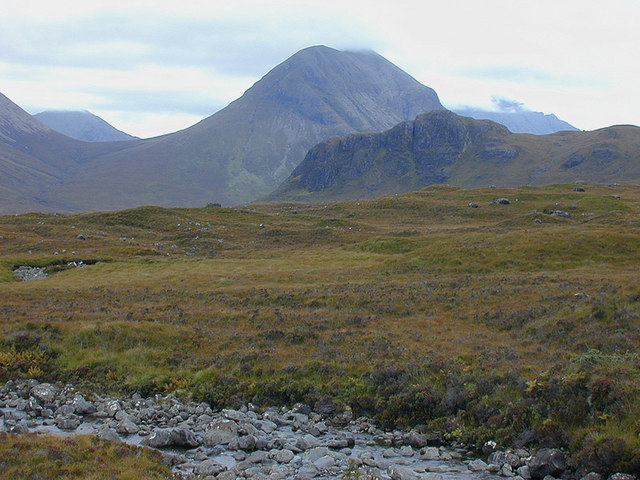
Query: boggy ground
x,y
498,322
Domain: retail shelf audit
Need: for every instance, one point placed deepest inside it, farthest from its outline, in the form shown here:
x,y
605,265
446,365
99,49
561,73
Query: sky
x,y
151,67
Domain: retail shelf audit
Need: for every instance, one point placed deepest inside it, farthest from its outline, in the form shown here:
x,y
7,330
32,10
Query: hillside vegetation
x,y
496,322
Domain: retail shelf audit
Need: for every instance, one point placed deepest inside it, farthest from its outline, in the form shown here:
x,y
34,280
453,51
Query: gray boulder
x,y
209,467
45,393
398,472
477,466
182,437
621,476
82,406
284,456
505,458
67,423
221,432
127,427
548,461
307,441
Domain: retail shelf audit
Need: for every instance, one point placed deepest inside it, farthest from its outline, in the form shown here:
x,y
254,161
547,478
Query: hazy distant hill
x,y
520,120
34,159
442,147
82,125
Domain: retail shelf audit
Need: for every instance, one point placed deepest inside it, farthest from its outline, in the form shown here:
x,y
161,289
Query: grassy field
x,y
498,322
51,458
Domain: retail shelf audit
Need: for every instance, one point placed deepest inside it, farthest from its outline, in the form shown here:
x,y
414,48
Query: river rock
x,y
525,473
477,465
159,438
82,406
621,476
548,461
504,458
415,439
127,427
209,467
67,423
284,456
398,472
45,393
592,476
430,453
324,463
106,433
307,441
221,432
247,443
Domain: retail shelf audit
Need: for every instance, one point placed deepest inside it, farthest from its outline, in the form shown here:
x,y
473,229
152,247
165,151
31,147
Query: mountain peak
x,y
14,120
82,125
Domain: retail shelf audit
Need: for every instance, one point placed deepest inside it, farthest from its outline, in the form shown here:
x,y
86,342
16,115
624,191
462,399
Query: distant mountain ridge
x,y
519,121
442,147
82,125
245,150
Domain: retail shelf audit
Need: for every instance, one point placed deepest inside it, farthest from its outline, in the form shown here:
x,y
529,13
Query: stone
x,y
430,453
548,461
621,476
45,393
472,205
284,456
524,472
477,465
307,441
308,470
592,476
398,472
221,432
313,454
506,471
127,427
324,463
415,439
505,458
67,423
182,437
407,451
106,433
209,467
247,443
502,201
159,438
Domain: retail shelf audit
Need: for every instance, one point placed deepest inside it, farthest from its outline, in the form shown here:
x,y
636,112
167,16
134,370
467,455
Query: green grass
x,y
477,322
82,457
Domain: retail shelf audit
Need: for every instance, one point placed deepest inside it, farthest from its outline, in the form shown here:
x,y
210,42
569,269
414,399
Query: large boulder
x,y
548,461
221,432
45,393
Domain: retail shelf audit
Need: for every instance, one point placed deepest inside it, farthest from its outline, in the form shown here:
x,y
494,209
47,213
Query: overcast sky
x,y
151,67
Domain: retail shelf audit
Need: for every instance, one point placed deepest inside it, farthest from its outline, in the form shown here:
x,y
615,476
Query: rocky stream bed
x,y
274,444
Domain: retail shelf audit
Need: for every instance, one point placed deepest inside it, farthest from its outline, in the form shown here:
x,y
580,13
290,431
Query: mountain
x,y
82,125
519,120
35,158
247,149
442,147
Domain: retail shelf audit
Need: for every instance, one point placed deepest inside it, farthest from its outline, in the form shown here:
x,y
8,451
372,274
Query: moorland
x,y
515,322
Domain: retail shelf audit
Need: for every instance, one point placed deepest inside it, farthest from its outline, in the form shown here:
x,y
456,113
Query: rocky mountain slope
x,y
520,121
245,150
34,158
82,125
442,147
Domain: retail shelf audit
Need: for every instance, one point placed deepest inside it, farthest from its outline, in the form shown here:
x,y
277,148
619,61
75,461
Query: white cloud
x,y
142,60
